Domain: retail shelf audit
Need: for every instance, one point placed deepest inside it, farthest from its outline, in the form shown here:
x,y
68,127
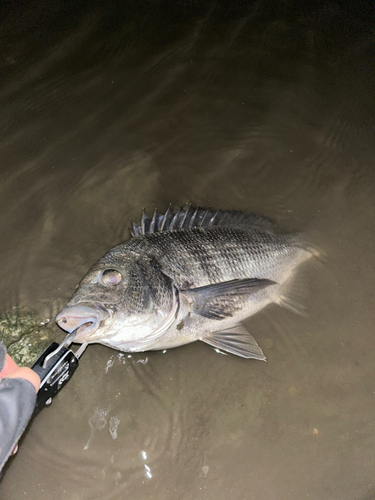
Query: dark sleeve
x,y
17,403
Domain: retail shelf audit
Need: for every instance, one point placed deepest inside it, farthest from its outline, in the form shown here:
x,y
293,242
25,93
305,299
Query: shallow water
x,y
264,107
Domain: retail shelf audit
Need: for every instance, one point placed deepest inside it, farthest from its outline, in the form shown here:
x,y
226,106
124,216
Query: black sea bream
x,y
186,276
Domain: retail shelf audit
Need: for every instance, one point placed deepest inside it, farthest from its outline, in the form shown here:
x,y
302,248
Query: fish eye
x,y
111,277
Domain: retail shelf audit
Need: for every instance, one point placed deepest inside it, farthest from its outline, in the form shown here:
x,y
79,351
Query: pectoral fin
x,y
236,340
222,300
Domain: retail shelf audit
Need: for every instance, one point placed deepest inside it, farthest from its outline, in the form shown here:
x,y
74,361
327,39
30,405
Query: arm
x,y
17,402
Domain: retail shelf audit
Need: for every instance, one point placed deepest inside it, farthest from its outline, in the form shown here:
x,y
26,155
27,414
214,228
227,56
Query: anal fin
x,y
293,294
235,340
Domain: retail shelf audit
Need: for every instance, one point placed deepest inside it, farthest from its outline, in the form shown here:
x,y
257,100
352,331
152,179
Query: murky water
x,y
263,106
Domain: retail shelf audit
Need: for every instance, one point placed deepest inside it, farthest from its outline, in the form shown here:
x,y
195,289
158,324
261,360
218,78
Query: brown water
x,y
263,106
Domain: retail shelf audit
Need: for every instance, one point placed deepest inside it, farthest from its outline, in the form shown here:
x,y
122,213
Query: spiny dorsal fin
x,y
199,217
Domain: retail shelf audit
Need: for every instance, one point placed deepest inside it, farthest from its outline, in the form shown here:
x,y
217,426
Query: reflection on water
x,y
260,106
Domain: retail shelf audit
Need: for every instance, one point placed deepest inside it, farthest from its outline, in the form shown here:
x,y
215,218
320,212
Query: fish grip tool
x,y
55,367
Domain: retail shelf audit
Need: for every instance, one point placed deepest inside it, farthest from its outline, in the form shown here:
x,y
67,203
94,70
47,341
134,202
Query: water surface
x,y
266,107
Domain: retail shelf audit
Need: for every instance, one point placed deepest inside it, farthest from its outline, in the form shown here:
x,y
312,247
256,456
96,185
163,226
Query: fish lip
x,y
88,317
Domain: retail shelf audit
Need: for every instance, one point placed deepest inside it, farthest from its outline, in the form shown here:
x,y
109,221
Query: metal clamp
x,y
55,367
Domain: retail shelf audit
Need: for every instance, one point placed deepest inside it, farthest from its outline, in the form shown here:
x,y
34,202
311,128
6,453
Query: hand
x,y
12,370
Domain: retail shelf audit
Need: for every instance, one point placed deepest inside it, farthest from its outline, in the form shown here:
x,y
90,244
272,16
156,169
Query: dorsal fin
x,y
200,217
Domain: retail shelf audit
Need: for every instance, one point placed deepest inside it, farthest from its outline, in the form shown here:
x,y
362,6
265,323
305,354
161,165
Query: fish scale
x,y
216,260
193,274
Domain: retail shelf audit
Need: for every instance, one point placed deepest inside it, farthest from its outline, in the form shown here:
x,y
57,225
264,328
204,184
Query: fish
x,y
187,275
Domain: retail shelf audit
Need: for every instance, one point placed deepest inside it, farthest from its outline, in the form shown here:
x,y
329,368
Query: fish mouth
x,y
88,317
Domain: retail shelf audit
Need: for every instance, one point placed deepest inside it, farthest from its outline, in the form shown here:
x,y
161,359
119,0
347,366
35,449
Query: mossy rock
x,y
25,335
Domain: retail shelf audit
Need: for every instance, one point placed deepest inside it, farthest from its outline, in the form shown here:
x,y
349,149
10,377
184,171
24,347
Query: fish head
x,y
124,305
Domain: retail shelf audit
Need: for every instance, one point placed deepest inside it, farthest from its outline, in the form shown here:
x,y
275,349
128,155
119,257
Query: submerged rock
x,y
25,335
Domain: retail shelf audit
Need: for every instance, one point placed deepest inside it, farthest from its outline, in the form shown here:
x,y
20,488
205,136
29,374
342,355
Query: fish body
x,y
186,276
